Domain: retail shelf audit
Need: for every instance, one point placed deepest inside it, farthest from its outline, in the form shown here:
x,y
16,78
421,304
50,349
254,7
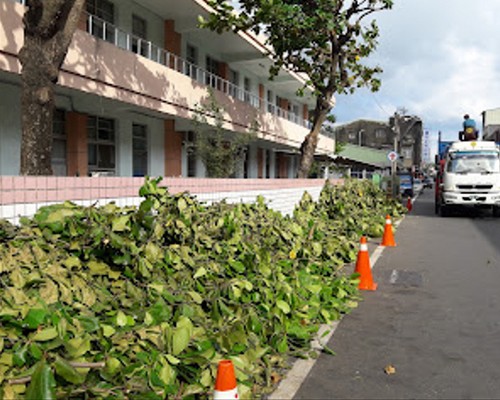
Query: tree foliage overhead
x,y
325,39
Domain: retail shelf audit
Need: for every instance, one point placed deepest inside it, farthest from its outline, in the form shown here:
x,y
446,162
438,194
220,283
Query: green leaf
x,y
42,385
45,335
200,272
166,374
181,204
153,252
283,306
181,335
196,297
72,262
180,340
68,372
78,346
6,359
90,324
121,319
107,330
35,351
172,360
98,268
19,357
120,224
113,365
34,318
282,346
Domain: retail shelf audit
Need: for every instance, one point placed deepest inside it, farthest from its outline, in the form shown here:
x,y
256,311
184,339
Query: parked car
x,y
405,184
418,185
428,182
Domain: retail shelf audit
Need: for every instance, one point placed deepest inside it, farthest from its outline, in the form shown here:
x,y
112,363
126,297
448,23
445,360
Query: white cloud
x,y
440,60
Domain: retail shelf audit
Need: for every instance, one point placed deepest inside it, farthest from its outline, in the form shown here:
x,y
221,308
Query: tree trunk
x,y
308,147
49,26
37,108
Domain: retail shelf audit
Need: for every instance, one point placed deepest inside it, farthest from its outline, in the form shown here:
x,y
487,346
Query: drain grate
x,y
405,278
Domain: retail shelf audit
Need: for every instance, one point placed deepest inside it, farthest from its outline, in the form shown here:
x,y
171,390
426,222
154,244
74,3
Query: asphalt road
x,y
435,317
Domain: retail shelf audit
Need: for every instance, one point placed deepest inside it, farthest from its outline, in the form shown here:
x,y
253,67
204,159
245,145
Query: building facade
x,y
491,124
135,73
401,133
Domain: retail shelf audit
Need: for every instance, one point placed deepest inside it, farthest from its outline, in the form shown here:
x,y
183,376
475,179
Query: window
x,y
139,31
213,67
270,105
192,61
191,154
139,150
352,136
380,134
101,144
407,153
59,143
234,78
279,111
293,113
103,13
247,87
246,162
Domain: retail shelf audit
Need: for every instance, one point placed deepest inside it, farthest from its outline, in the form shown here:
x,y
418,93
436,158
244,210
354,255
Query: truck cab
x,y
469,177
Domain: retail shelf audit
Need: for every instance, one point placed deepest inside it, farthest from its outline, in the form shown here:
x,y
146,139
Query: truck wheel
x,y
496,212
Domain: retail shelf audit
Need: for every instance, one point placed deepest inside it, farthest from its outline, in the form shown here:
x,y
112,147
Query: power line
x,y
380,106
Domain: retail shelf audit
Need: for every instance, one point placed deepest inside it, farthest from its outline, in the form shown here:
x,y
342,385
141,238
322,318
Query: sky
x,y
441,60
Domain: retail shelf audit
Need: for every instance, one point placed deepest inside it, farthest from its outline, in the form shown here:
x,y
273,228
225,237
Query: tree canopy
x,y
325,39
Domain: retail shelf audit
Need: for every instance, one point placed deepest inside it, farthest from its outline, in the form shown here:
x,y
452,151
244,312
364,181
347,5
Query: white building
x,y
491,124
133,76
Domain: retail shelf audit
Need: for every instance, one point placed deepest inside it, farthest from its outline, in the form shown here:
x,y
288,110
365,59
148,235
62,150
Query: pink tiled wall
x,y
20,189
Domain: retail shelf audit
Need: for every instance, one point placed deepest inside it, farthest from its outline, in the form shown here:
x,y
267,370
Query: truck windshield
x,y
477,162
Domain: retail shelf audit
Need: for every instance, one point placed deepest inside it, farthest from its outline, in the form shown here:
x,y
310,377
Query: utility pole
x,y
397,133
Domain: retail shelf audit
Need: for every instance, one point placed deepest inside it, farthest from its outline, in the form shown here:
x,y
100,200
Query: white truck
x,y
469,177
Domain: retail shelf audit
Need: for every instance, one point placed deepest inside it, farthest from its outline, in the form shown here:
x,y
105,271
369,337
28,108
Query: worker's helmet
x,y
466,116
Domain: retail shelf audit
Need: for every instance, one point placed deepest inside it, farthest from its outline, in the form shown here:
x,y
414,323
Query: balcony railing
x,y
127,41
106,31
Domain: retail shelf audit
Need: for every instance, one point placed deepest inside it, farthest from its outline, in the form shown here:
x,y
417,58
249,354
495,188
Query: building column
x,y
305,112
173,149
260,163
77,144
224,74
284,106
172,40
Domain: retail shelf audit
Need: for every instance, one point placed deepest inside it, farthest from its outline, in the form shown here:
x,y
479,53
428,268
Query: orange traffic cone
x,y
225,383
388,238
409,206
363,267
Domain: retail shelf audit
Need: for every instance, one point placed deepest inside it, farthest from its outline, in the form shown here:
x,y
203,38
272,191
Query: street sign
x,y
392,156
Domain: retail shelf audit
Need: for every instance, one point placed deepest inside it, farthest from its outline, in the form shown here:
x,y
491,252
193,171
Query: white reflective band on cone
x,y
388,221
363,247
226,394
